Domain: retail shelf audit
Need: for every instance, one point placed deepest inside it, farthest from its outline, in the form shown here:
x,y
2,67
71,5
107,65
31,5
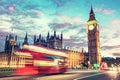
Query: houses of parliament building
x,y
75,58
51,41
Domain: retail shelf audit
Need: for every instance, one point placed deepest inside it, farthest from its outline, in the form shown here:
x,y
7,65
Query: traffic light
x,y
96,65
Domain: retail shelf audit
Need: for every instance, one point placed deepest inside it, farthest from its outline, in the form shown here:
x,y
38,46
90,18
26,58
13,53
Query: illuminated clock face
x,y
91,27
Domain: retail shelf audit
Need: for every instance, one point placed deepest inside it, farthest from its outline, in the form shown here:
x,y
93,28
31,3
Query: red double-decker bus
x,y
42,61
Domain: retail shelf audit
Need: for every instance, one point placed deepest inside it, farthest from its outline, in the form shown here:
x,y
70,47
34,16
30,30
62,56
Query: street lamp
x,y
88,63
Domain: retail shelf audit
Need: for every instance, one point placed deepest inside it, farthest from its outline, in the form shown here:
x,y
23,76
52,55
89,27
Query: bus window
x,y
49,57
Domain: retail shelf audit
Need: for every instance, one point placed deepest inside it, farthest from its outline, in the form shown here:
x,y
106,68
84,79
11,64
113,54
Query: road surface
x,y
71,75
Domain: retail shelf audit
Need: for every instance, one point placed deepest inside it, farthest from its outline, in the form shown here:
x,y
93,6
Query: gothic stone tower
x,y
8,44
93,39
52,41
25,40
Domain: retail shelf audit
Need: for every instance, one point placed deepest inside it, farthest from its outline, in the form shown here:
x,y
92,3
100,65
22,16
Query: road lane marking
x,y
88,76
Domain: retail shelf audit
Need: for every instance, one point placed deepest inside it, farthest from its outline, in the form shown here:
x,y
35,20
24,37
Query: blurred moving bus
x,y
42,60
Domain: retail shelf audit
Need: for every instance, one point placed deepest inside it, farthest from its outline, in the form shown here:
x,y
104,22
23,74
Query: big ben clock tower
x,y
93,39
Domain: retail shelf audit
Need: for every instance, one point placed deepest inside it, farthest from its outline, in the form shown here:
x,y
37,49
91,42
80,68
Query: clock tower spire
x,y
93,39
91,15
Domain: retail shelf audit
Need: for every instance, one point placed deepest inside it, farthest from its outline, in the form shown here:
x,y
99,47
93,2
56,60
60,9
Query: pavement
x,y
71,74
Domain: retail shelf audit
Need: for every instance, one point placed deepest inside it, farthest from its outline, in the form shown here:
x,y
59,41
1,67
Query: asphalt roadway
x,y
71,75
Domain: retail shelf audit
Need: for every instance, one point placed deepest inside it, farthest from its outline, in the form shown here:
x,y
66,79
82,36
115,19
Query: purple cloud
x,y
11,8
76,42
105,11
116,54
38,12
71,42
59,25
116,23
116,35
110,47
3,34
76,19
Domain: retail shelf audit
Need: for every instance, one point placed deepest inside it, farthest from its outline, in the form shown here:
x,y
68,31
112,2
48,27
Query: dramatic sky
x,y
66,16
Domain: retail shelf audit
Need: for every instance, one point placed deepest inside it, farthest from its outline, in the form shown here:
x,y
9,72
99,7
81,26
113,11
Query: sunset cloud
x,y
11,8
59,25
116,23
110,47
39,12
117,54
104,11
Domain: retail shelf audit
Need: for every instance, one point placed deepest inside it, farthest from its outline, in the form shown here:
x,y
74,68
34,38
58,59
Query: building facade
x,y
17,60
75,58
93,39
51,41
11,41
